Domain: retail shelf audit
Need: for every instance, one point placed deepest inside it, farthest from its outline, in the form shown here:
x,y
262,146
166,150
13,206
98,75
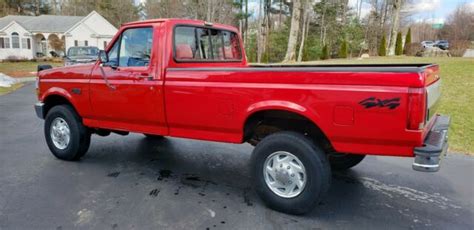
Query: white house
x,y
28,37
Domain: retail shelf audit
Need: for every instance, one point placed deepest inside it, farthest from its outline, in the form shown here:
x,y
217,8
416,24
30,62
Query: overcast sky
x,y
428,10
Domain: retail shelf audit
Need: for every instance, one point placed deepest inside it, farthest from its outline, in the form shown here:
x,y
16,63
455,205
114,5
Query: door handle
x,y
145,76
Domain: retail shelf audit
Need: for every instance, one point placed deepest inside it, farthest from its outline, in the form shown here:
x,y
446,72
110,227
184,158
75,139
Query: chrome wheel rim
x,y
60,133
284,174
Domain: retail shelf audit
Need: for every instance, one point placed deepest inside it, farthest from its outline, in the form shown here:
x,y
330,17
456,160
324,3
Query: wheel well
x,y
264,123
54,100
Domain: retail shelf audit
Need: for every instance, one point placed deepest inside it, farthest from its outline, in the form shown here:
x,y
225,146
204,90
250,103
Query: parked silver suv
x,y
81,55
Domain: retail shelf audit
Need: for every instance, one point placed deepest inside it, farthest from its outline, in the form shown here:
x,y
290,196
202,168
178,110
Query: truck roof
x,y
182,21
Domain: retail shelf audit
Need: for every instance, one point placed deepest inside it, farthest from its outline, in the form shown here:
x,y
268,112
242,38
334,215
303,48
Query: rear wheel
x,y
291,174
66,136
342,161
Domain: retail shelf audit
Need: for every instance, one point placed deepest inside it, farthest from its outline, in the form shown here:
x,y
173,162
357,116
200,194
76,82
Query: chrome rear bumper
x,y
435,146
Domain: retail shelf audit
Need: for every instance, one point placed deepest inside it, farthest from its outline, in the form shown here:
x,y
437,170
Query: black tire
x,y
314,160
341,161
80,137
153,137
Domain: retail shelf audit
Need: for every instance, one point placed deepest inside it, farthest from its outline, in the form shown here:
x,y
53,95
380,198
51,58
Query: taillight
x,y
416,108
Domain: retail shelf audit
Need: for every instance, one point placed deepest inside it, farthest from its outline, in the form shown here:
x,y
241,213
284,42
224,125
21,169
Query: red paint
x,y
214,105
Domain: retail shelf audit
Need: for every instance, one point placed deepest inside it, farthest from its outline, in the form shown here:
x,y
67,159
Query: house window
x,y
86,43
75,43
2,41
15,40
26,43
6,43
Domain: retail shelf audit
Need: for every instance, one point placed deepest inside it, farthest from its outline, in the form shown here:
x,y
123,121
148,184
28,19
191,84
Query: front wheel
x,y
291,174
66,136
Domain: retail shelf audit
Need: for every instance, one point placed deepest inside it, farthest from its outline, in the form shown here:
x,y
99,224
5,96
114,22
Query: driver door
x,y
125,93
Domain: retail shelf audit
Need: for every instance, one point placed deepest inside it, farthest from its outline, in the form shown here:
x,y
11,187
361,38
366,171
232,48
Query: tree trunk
x,y
246,20
395,22
322,35
279,16
303,32
209,6
37,7
259,31
294,32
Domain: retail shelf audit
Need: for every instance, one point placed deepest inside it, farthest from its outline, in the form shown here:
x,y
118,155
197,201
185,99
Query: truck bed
x,y
411,67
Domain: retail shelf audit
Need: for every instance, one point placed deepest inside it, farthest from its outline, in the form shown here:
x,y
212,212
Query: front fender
x,y
57,91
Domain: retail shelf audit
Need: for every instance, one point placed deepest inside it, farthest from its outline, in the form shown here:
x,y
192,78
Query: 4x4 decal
x,y
375,102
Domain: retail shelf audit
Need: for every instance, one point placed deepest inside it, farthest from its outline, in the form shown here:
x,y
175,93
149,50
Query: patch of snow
x,y
84,216
469,52
211,212
6,81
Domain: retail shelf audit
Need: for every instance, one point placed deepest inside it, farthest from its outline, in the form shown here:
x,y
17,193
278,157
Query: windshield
x,y
83,51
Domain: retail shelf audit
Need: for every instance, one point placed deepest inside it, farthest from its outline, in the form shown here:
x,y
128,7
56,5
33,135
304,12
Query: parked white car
x,y
427,44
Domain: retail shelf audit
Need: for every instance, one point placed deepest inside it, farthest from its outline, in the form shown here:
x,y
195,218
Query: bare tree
x,y
304,30
397,4
294,31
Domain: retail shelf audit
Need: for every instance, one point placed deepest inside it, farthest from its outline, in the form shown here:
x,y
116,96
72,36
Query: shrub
x,y
413,49
312,49
407,41
13,58
457,48
398,44
382,47
325,54
343,50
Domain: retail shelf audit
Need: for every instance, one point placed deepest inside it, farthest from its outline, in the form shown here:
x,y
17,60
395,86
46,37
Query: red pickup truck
x,y
191,79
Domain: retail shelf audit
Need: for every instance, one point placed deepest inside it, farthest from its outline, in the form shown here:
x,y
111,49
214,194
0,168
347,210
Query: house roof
x,y
42,23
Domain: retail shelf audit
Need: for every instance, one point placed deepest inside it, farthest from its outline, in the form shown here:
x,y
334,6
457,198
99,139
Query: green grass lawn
x,y
457,99
5,90
23,69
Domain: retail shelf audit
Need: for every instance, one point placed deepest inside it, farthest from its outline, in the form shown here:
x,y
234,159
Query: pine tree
x,y
407,41
343,50
398,45
325,54
382,48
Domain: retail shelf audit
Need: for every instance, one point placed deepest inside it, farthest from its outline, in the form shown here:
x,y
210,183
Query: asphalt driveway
x,y
134,183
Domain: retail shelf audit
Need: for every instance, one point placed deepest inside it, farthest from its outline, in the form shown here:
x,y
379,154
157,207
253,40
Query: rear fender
x,y
310,114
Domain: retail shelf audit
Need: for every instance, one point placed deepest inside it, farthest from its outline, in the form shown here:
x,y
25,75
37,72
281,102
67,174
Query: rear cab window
x,y
202,44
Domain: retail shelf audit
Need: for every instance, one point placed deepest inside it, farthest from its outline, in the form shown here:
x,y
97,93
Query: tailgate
x,y
433,90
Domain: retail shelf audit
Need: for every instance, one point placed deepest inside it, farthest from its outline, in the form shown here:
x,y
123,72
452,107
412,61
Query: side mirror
x,y
103,57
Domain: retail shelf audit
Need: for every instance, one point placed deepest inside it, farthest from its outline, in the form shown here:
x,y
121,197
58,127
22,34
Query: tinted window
x,y
194,43
83,51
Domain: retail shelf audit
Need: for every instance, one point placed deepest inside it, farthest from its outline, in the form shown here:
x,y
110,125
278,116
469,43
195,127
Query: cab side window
x,y
133,48
205,44
113,53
